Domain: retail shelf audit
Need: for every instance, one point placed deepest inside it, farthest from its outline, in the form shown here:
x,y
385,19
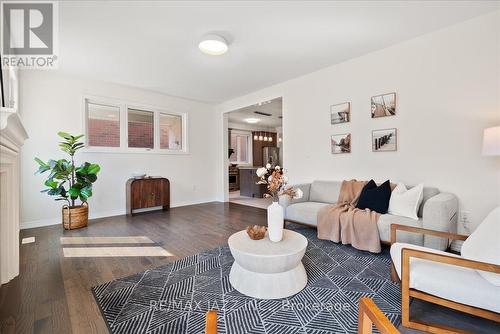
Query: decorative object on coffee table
x,y
70,183
275,221
276,182
265,269
256,232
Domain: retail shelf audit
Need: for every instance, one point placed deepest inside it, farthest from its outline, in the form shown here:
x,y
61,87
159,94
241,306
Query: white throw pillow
x,y
484,245
405,202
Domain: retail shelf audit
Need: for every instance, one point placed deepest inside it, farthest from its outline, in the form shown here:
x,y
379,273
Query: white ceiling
x,y
272,107
153,45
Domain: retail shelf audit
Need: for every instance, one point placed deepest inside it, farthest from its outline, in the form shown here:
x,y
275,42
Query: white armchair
x,y
469,283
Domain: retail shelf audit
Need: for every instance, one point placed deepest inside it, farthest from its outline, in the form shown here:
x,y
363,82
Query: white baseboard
x,y
186,203
39,223
112,213
57,220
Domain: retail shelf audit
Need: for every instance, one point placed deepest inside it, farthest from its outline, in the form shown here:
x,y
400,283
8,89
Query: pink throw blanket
x,y
343,222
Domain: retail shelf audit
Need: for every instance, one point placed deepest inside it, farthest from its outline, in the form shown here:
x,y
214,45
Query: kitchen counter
x,y
248,183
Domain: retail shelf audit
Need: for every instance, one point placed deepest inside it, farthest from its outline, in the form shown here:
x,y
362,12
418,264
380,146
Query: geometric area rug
x,y
175,297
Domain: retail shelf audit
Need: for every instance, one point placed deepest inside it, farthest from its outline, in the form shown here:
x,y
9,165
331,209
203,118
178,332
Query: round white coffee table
x,y
265,269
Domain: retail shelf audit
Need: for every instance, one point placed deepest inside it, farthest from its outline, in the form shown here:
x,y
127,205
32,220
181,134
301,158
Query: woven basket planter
x,y
75,216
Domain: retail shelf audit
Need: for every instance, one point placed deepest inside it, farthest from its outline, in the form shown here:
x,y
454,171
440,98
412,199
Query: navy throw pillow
x,y
375,198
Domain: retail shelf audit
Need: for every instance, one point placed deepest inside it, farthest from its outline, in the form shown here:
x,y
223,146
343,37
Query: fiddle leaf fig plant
x,y
66,181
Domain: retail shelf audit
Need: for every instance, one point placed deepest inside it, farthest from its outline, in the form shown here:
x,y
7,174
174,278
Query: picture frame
x,y
383,105
385,140
341,143
340,113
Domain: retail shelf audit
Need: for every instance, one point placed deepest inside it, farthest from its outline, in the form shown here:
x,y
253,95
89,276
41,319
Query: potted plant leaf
x,y
70,183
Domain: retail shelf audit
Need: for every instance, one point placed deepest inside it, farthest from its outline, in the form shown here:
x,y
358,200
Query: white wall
x,y
52,102
447,85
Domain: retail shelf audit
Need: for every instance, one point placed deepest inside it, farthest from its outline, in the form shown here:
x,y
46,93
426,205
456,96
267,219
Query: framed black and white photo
x,y
341,143
385,140
383,105
340,113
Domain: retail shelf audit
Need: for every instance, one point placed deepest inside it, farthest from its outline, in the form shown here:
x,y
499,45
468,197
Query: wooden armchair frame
x,y
407,292
405,228
211,322
369,314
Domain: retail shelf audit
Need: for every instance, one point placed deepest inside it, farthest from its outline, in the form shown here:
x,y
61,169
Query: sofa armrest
x,y
285,200
440,214
406,228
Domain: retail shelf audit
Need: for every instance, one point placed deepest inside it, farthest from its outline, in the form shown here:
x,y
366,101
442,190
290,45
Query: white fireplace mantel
x,y
12,137
12,130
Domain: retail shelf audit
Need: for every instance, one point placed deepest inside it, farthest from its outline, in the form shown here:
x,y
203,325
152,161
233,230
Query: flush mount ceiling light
x,y
213,45
252,120
263,103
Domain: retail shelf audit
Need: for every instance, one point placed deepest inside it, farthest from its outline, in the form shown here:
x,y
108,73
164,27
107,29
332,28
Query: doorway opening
x,y
255,138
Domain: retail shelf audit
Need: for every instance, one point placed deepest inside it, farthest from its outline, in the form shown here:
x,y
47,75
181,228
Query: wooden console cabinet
x,y
147,193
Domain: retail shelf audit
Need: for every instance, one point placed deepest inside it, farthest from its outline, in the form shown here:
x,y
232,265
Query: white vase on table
x,y
275,222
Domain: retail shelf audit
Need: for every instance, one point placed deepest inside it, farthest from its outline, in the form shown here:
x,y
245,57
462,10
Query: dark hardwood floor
x,y
52,294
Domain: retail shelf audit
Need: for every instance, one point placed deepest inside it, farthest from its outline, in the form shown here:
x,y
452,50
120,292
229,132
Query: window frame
x,y
139,149
249,147
86,123
124,106
183,129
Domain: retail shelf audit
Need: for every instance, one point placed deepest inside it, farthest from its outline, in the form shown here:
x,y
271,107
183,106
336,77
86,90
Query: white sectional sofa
x,y
438,212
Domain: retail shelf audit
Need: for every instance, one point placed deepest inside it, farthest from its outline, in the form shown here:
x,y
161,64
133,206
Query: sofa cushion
x,y
484,245
325,191
406,202
375,198
461,285
384,229
305,212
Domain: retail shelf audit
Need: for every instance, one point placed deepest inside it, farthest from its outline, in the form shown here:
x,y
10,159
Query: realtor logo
x,y
29,32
